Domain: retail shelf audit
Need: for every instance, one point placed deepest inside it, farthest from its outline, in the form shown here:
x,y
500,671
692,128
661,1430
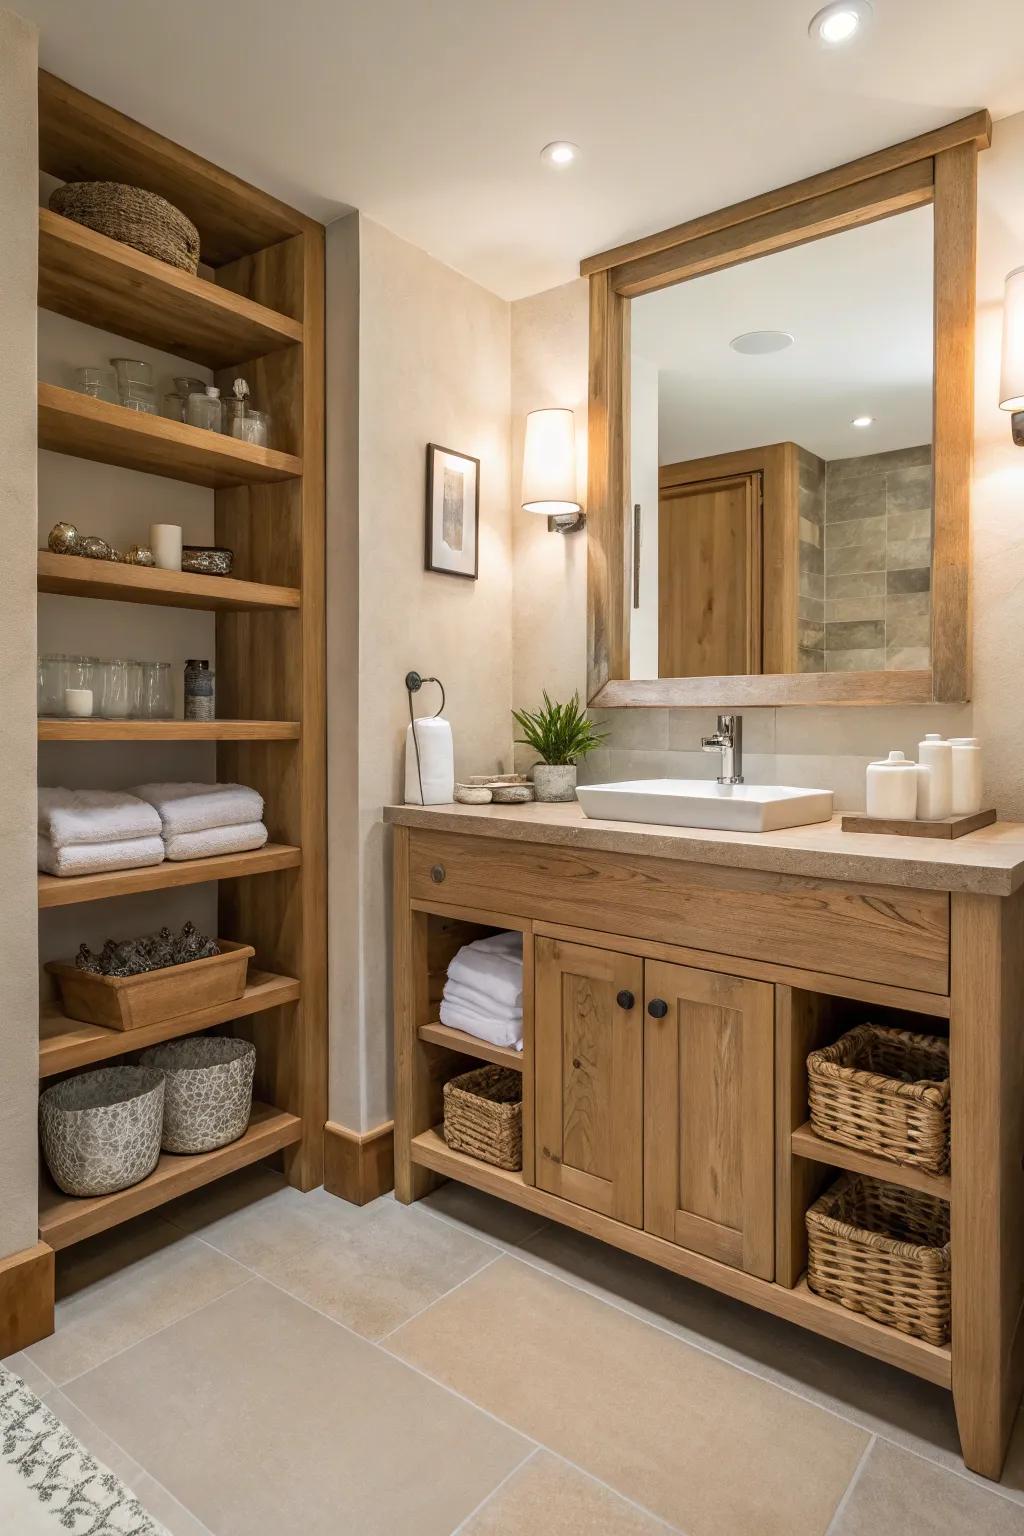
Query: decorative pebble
x,y
512,794
472,794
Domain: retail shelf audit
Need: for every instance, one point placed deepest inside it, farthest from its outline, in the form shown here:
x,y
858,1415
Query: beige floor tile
x,y
163,1506
898,1494
374,1276
121,1286
547,1497
878,1397
495,1221
266,1419
259,1219
709,1448
96,1442
35,1379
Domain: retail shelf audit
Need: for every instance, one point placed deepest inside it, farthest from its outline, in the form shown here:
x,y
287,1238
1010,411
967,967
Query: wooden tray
x,y
950,826
129,1002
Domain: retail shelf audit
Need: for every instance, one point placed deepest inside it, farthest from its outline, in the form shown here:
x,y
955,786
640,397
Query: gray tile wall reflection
x,y
877,561
812,562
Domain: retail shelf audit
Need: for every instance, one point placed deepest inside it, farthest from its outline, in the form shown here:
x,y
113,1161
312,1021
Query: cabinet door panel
x,y
588,1052
709,1117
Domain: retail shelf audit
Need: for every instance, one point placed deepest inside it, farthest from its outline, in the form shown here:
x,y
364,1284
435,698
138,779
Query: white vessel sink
x,y
705,803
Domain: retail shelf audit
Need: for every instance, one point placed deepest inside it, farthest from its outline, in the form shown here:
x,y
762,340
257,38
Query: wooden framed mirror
x,y
735,609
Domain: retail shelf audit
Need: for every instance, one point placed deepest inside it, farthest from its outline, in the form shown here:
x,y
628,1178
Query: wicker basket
x,y
141,219
882,1251
483,1115
884,1091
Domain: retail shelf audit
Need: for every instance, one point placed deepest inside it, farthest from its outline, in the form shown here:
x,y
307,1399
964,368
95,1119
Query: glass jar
x,y
135,384
235,413
50,689
157,702
114,690
253,427
176,400
200,691
205,410
134,690
80,671
97,382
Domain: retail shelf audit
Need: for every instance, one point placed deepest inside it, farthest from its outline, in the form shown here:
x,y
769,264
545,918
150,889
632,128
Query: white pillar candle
x,y
165,542
78,702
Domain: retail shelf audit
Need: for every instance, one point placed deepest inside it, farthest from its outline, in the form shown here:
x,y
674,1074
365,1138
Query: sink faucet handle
x,y
728,739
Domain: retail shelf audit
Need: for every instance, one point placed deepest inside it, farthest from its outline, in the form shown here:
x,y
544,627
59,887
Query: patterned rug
x,y
48,1481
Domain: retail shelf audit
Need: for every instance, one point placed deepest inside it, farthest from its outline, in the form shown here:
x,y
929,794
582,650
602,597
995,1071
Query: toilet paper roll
x,y
436,763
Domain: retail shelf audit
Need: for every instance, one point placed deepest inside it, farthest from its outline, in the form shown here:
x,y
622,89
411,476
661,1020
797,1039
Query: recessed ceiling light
x,y
862,421
836,24
560,153
756,342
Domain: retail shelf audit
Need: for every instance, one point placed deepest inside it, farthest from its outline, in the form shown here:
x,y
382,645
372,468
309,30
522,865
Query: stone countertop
x,y
989,862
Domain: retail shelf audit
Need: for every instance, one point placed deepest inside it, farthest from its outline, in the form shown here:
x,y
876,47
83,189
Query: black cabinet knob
x,y
625,1000
657,1008
437,873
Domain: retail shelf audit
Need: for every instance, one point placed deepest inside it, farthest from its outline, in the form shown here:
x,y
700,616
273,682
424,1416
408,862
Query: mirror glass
x,y
781,427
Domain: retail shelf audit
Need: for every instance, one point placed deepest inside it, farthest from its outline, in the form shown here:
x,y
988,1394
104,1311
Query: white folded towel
x,y
69,817
214,840
493,966
475,1001
498,1032
197,807
93,858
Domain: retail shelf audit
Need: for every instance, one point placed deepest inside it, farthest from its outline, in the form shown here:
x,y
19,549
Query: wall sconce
x,y
1011,382
549,470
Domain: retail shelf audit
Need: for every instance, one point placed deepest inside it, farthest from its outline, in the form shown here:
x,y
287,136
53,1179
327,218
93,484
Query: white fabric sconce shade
x,y
549,468
1011,382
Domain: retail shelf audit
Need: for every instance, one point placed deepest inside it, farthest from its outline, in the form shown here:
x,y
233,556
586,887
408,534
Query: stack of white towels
x,y
483,995
87,831
198,821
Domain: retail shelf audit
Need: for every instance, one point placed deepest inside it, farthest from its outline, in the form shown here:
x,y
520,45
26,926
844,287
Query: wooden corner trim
x,y
26,1298
359,1166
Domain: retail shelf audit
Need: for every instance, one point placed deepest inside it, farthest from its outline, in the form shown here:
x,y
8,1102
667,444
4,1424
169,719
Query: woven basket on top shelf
x,y
882,1251
133,216
884,1091
483,1116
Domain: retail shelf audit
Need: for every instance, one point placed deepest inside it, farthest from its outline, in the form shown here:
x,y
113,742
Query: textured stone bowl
x,y
101,1130
208,1098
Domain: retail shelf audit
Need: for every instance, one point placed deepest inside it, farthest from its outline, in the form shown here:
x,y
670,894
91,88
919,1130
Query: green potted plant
x,y
560,734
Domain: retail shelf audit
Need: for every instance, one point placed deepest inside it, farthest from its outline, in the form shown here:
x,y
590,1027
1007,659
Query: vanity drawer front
x,y
872,932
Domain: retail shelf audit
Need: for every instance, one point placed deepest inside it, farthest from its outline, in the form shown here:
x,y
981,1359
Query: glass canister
x,y
115,689
176,400
135,384
205,410
157,693
50,690
80,671
97,382
200,691
252,427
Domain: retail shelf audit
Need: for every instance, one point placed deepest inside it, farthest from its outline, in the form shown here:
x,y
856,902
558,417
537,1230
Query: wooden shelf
x,y
63,891
168,730
799,1305
74,576
87,428
100,281
806,1143
66,1044
66,1219
469,1045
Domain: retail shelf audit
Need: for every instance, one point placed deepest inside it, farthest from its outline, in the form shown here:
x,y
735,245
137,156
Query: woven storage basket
x,y
884,1091
882,1251
141,219
483,1115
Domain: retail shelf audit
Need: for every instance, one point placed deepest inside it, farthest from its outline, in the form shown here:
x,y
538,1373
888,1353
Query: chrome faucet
x,y
728,740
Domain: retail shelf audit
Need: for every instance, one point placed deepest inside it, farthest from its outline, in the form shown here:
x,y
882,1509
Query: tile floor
x,y
256,1362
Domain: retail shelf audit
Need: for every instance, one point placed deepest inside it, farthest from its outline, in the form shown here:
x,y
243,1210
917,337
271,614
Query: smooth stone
x,y
472,794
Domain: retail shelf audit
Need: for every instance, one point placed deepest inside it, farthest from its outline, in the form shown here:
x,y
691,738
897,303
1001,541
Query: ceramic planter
x,y
554,781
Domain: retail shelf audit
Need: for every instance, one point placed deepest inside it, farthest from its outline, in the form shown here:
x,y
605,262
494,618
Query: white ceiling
x,y
859,307
430,117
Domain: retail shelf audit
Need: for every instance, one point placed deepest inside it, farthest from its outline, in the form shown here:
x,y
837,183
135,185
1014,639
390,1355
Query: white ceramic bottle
x,y
935,779
435,766
967,780
892,788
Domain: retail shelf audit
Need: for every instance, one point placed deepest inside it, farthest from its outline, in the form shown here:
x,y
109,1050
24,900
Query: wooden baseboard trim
x,y
359,1166
26,1298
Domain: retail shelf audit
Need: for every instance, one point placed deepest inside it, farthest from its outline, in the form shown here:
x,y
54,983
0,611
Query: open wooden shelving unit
x,y
807,1144
469,1045
260,313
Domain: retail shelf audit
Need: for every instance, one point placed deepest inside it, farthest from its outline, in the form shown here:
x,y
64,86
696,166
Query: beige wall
x,y
831,747
433,366
19,1012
